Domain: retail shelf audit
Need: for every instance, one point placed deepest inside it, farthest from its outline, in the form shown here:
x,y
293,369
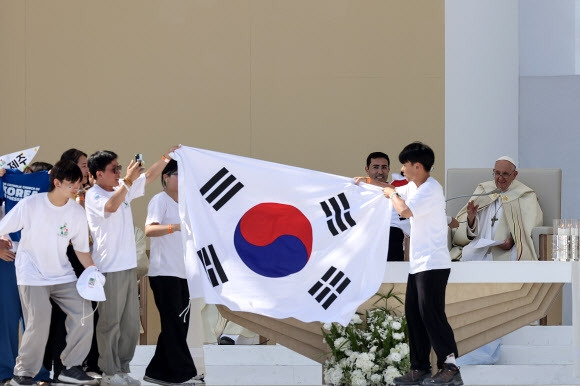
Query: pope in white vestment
x,y
503,225
501,230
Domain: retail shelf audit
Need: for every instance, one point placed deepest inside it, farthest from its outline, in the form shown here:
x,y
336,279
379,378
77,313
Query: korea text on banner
x,y
278,240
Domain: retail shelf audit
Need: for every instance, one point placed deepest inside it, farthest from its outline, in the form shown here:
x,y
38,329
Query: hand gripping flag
x,y
278,240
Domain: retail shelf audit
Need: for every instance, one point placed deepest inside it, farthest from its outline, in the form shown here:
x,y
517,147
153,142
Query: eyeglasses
x,y
116,169
504,174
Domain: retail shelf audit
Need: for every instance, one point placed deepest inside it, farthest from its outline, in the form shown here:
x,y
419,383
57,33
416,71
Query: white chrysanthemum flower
x,y
398,335
376,379
394,356
342,344
356,319
395,325
403,348
390,374
334,375
373,349
357,378
365,362
327,326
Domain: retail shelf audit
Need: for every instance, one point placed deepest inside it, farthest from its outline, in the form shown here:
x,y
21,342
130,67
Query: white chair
x,y
547,183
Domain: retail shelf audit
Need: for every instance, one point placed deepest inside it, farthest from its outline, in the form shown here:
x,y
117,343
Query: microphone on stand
x,y
496,190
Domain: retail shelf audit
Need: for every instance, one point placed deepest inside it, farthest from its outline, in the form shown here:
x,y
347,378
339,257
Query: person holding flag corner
x,y
423,201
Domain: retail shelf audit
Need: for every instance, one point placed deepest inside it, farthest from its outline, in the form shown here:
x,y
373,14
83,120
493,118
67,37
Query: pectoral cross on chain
x,y
493,220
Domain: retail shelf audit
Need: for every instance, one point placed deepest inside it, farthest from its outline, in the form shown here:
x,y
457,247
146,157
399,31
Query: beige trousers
x,y
36,309
118,325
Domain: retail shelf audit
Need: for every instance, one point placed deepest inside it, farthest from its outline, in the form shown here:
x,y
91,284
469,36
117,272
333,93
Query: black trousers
x,y
396,238
426,319
172,361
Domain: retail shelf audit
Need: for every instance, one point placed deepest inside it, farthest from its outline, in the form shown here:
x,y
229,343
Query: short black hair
x,y
99,160
169,169
418,152
73,155
37,166
378,154
65,170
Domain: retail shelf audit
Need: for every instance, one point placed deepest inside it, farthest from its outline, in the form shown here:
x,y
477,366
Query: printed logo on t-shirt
x,y
63,231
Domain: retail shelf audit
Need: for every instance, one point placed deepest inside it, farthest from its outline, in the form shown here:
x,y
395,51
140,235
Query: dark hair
x,y
170,168
418,152
99,160
378,154
37,167
65,170
73,155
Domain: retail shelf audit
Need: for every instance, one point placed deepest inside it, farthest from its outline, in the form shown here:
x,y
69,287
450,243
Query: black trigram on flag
x,y
335,212
330,285
212,265
218,186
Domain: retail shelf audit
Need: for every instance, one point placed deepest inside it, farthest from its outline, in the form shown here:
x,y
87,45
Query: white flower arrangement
x,y
372,351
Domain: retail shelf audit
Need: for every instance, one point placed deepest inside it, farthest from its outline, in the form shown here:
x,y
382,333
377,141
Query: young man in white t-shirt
x,y
108,210
422,201
43,271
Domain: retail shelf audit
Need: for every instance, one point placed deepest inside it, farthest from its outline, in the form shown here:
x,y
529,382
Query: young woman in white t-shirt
x,y
172,362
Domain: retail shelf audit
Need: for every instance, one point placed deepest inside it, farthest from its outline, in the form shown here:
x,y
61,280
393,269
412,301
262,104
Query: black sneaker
x,y
20,380
413,377
77,376
448,375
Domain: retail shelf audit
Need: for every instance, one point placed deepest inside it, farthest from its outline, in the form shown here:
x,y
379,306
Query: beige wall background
x,y
311,83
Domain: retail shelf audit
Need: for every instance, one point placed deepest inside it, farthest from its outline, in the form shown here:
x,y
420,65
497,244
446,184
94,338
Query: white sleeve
x,y
137,188
155,211
14,220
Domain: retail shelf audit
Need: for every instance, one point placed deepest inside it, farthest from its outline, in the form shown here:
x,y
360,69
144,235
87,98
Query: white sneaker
x,y
113,380
130,380
197,380
94,375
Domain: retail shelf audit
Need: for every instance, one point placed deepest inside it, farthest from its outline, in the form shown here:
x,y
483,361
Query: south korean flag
x,y
278,240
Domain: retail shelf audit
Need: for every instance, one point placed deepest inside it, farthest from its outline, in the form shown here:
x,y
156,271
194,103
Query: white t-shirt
x,y
167,257
113,234
428,243
41,258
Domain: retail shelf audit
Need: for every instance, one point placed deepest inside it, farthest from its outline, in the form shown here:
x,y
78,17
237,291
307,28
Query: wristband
x,y
124,185
170,228
165,159
128,181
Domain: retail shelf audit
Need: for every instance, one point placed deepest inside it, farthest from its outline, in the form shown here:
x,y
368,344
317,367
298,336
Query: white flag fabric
x,y
18,160
278,240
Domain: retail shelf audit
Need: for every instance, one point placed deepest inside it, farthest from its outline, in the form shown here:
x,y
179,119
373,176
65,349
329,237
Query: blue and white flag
x,y
278,240
18,160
